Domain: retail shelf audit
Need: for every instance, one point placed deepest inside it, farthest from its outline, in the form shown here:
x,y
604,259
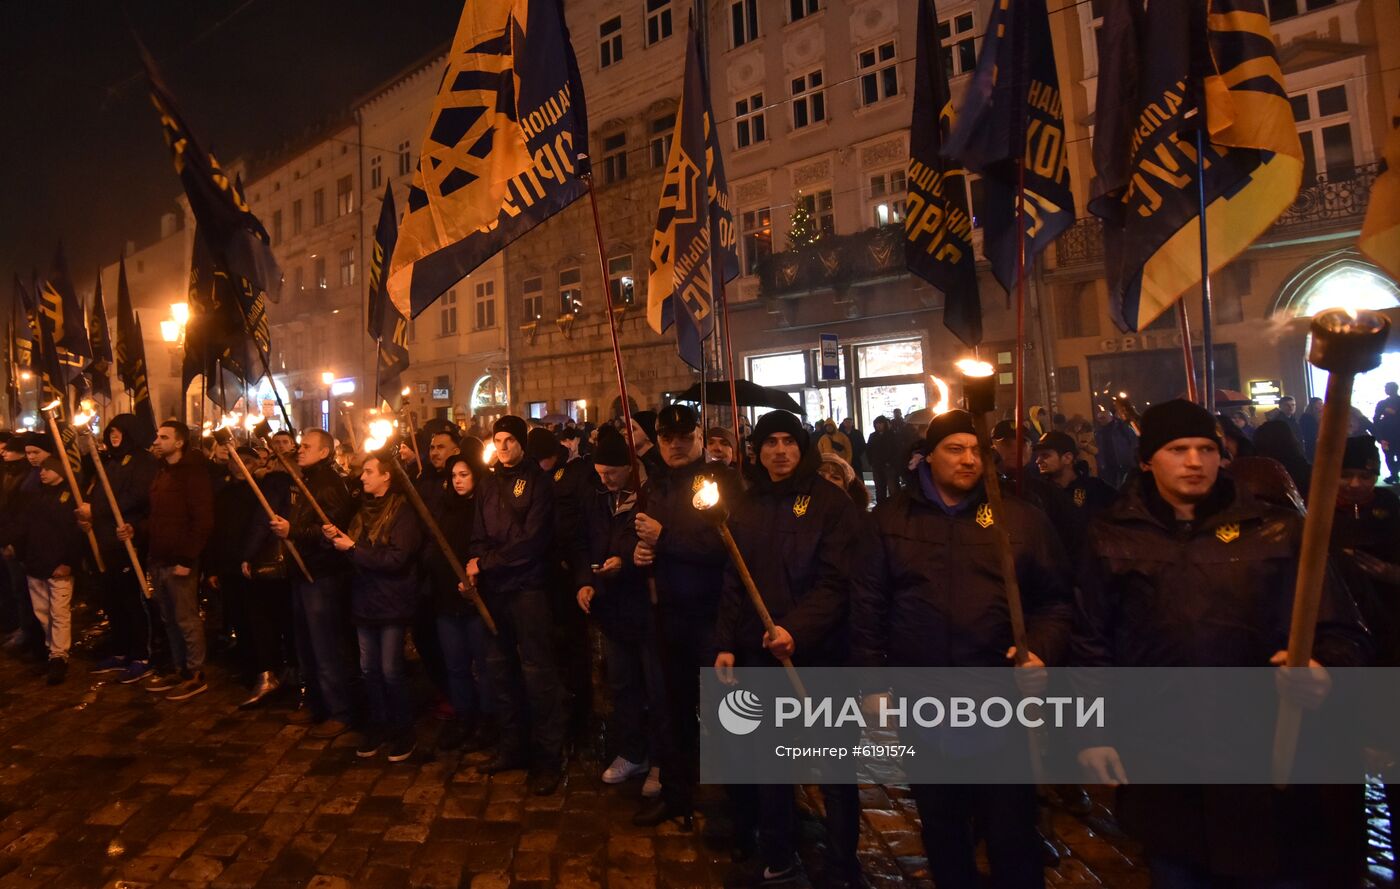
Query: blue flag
x,y
387,326
694,242
1012,110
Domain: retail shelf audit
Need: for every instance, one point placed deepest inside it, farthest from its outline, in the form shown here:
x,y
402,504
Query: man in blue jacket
x,y
512,537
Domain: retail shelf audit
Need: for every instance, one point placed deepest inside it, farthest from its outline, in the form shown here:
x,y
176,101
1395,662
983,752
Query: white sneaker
x,y
651,788
622,770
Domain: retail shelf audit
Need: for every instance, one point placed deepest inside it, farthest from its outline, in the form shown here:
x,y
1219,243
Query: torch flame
x,y
250,422
944,401
488,453
971,367
379,432
707,496
52,404
82,419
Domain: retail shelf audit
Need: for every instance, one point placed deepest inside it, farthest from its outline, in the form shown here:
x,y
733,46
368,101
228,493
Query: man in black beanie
x,y
1187,570
512,536
798,534
938,600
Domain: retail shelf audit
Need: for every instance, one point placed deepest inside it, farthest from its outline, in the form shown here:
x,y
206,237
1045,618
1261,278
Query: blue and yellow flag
x,y
694,242
1012,111
60,310
131,353
387,326
937,227
1145,147
506,147
25,327
99,367
1380,234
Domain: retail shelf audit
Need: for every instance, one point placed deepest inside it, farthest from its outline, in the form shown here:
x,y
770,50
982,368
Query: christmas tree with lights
x,y
802,232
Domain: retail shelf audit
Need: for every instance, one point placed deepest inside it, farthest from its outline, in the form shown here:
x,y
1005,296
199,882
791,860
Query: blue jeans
x,y
178,599
319,612
382,666
463,638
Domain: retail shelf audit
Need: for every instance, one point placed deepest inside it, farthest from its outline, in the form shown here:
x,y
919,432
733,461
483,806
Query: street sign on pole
x,y
831,356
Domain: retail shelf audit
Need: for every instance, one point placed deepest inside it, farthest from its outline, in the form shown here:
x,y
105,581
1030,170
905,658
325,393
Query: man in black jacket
x,y
130,469
796,532
687,558
512,537
939,600
320,608
1188,570
1085,496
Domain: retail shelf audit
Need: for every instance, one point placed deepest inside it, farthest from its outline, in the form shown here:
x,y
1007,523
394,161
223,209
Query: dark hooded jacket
x,y
328,487
130,468
455,518
182,509
48,535
384,578
513,531
1372,528
690,556
798,539
607,528
574,482
938,598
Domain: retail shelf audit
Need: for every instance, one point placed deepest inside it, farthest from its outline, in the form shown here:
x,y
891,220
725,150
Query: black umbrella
x,y
749,395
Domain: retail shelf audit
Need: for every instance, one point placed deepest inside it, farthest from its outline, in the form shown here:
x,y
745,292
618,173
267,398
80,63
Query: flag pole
x,y
1207,325
378,357
729,363
1020,311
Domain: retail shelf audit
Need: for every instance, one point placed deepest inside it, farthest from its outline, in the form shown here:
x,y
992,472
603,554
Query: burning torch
x,y
80,425
224,437
48,410
707,501
1344,343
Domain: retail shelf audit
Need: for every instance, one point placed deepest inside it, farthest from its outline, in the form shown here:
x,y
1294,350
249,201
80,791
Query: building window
x,y
808,100
1284,9
1076,310
615,158
405,159
818,205
662,129
318,272
570,292
658,20
610,42
886,194
347,267
1324,128
879,76
344,196
376,171
749,127
620,282
743,22
534,298
447,314
537,409
800,9
756,232
318,206
485,305
958,39
296,216
276,227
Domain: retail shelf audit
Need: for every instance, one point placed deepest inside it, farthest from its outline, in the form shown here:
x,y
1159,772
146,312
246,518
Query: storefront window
x,y
827,403
890,359
878,401
789,369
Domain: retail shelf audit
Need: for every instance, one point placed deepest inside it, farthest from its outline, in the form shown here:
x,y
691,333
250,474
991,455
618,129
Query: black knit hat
x,y
1170,420
946,424
1361,453
611,449
646,420
1059,442
514,425
52,464
541,444
41,440
780,421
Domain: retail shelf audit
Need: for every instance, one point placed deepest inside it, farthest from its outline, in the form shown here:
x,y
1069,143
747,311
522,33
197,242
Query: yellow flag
x,y
1380,235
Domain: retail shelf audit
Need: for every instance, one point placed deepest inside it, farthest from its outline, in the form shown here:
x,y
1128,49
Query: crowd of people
x,y
1116,528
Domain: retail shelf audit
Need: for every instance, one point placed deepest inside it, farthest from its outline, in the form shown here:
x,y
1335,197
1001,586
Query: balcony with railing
x,y
1329,204
836,262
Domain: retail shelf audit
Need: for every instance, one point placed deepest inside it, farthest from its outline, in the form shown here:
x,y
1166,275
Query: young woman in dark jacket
x,y
382,547
459,627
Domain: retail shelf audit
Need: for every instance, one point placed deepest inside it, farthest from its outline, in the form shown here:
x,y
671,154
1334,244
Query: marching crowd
x,y
1151,541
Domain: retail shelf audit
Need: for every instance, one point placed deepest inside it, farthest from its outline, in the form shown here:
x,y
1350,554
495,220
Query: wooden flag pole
x,y
225,438
117,512
729,363
72,480
1207,310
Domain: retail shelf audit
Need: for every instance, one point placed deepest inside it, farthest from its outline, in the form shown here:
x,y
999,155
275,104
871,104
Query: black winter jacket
x,y
48,535
690,556
574,482
455,518
384,582
622,604
130,469
327,486
938,597
1373,529
513,532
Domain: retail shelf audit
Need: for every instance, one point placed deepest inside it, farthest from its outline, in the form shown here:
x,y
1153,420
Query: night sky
x,y
81,151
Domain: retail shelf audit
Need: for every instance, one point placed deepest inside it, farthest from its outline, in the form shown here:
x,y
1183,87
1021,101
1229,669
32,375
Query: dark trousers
x,y
530,699
22,609
320,611
637,730
382,666
885,482
686,648
124,602
425,639
266,607
1392,460
572,652
772,810
464,650
954,816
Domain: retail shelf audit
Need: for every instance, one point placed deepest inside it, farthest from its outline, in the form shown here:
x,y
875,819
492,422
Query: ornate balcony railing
x,y
835,262
1327,203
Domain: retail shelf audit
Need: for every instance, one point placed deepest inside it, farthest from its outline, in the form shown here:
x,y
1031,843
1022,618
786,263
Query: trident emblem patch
x,y
519,486
984,516
1079,495
799,506
1227,532
558,474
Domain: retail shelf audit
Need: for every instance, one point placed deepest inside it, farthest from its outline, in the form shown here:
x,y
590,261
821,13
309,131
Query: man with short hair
x,y
512,536
1187,569
321,606
719,446
434,485
1084,496
284,443
181,519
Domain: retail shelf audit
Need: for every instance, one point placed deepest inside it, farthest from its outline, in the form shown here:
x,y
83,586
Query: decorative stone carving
x,y
811,173
751,191
890,151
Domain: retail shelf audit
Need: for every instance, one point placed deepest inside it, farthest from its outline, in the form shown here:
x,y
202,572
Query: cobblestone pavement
x,y
106,785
